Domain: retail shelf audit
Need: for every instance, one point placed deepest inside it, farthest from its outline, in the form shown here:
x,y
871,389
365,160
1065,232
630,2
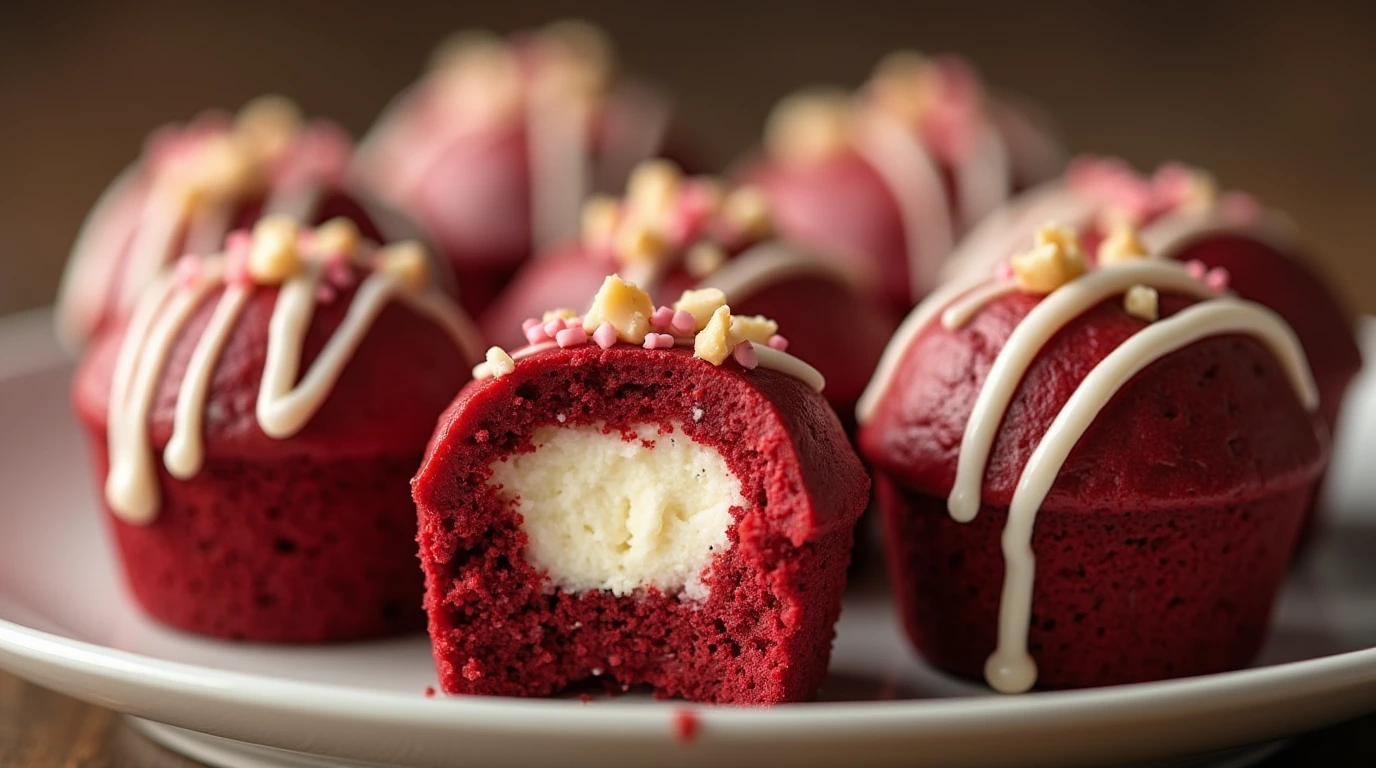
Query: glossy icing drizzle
x,y
284,405
1010,668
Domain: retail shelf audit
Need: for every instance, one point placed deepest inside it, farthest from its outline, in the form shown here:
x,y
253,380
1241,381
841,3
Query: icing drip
x,y
160,222
1036,329
984,177
283,405
1010,668
557,137
131,484
914,181
959,313
88,274
1175,231
765,265
184,453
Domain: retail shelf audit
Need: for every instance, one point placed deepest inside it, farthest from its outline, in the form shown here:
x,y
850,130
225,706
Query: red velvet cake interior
x,y
675,512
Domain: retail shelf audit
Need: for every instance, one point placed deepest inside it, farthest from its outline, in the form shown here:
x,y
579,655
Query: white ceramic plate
x,y
66,623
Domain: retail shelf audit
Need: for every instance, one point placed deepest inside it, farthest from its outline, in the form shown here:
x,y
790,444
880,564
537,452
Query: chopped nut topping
x,y
810,125
406,260
563,313
1055,259
273,257
1142,302
600,216
1122,245
638,243
701,304
748,210
757,328
651,190
337,237
265,126
704,258
625,306
713,343
499,362
906,85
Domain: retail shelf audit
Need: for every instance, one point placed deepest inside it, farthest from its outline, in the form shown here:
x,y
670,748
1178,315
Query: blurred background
x,y
1277,99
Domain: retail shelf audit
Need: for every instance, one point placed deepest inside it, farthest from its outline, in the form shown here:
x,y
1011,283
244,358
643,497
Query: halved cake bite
x,y
653,502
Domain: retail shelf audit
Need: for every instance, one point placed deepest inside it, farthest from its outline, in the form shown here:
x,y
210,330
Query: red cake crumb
x,y
686,725
586,698
429,691
763,632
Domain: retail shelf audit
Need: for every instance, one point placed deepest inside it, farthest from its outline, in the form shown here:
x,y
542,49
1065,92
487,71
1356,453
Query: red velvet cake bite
x,y
196,182
255,424
670,234
497,146
671,508
1091,476
1179,213
888,178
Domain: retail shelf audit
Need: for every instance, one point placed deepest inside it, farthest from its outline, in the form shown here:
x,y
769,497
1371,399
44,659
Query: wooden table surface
x,y
1276,98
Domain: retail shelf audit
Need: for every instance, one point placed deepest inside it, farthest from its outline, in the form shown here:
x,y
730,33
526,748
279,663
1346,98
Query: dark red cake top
x,y
890,176
289,343
1181,213
1137,384
196,182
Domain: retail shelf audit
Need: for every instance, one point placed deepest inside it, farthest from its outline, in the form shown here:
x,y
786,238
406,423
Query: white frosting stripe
x,y
131,486
1011,669
160,223
1169,234
1023,346
185,452
765,265
967,306
983,176
914,181
86,280
557,127
922,315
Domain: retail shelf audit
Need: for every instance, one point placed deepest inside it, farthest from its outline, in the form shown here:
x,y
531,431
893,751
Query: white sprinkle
x,y
697,413
561,418
596,671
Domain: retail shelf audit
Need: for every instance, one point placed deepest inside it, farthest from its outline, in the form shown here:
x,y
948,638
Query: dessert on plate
x,y
496,147
1180,213
888,178
671,233
1091,471
255,423
193,184
669,505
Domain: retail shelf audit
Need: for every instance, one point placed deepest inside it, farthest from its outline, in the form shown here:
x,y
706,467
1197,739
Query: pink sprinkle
x,y
1240,208
778,342
1004,271
1196,269
339,274
683,323
325,293
571,337
553,327
1217,279
188,271
1172,182
605,336
536,334
661,319
239,242
745,355
658,341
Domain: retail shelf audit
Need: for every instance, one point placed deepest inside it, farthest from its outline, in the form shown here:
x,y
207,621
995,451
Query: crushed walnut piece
x,y
810,126
1055,259
627,308
906,85
701,304
273,256
405,260
713,342
756,328
337,238
1122,245
499,362
1142,302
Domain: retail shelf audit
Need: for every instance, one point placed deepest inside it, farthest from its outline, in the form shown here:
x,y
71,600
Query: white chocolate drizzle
x,y
283,406
765,265
914,182
984,176
1011,669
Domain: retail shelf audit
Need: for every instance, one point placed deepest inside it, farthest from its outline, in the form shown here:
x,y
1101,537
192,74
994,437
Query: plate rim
x,y
73,665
